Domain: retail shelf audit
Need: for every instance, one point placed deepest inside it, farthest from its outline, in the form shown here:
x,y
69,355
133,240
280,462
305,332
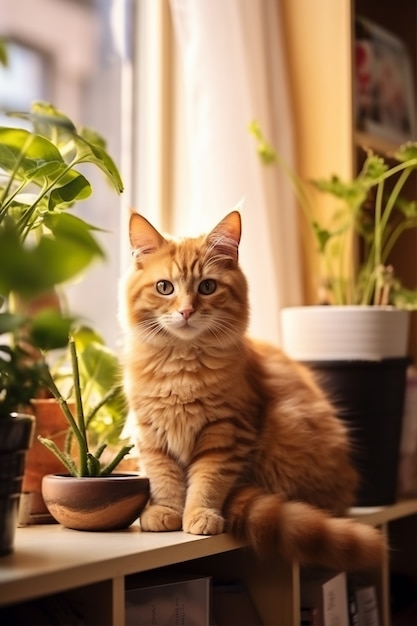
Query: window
x,y
23,80
76,55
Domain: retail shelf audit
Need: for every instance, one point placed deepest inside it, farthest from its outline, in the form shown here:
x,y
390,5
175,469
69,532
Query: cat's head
x,y
190,290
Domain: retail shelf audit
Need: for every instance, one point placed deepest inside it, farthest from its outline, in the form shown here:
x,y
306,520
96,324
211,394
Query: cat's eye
x,y
164,287
207,287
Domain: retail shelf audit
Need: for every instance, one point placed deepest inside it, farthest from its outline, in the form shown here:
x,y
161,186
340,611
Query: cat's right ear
x,y
225,238
144,238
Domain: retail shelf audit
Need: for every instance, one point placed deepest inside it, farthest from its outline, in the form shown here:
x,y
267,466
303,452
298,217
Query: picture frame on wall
x,y
384,89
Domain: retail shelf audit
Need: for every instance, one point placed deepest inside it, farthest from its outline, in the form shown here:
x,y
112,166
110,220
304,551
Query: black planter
x,y
16,432
369,397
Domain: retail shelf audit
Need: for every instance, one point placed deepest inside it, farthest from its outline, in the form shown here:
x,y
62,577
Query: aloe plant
x,y
100,376
380,228
103,367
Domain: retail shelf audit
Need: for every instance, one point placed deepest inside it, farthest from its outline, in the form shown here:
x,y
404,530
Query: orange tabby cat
x,y
233,435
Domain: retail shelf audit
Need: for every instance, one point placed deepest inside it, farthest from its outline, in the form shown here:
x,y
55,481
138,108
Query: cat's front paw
x,y
203,521
159,518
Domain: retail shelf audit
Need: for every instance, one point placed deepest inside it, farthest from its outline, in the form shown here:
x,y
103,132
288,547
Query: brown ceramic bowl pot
x,y
98,504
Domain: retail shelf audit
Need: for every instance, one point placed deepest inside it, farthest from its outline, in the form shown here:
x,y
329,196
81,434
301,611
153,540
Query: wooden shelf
x,y
51,558
377,516
93,567
376,144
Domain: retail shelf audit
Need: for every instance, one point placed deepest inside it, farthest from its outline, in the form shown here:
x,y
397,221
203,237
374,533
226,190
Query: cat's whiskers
x,y
224,329
150,328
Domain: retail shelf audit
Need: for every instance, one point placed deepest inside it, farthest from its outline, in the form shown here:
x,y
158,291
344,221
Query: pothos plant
x,y
370,205
43,245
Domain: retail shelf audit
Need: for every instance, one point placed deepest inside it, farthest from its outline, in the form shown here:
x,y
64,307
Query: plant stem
x,y
6,201
81,441
24,221
80,411
65,458
107,469
393,198
401,227
378,226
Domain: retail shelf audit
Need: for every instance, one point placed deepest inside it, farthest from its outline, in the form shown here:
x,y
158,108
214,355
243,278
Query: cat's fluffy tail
x,y
304,533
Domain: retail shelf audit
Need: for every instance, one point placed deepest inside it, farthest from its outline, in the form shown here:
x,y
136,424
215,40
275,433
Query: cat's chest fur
x,y
177,392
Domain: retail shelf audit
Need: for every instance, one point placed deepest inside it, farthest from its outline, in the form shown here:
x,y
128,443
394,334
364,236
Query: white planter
x,y
359,354
316,333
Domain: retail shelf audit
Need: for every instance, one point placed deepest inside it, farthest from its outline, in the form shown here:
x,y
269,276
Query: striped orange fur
x,y
233,434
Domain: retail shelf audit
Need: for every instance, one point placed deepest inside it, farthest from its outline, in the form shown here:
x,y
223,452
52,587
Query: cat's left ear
x,y
225,237
144,238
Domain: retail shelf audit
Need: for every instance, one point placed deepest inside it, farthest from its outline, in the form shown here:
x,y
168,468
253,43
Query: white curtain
x,y
198,88
232,71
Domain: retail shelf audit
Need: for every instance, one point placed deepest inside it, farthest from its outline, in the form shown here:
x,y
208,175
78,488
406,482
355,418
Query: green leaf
x,y
99,365
49,122
51,261
50,330
92,137
84,335
93,465
23,153
62,456
407,152
87,147
100,373
403,298
45,116
372,171
91,153
75,233
4,57
407,207
77,188
9,322
322,236
265,151
47,171
354,193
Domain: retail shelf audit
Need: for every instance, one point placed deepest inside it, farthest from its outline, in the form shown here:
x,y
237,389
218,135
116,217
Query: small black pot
x,y
369,397
16,433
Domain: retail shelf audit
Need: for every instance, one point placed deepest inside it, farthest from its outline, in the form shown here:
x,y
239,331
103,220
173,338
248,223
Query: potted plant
x,y
42,246
358,341
89,496
101,390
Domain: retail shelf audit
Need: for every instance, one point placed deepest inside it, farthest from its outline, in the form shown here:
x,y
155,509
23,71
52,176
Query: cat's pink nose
x,y
187,312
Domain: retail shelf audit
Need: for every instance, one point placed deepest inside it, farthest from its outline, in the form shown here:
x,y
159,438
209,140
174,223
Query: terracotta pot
x,y
100,503
51,423
16,433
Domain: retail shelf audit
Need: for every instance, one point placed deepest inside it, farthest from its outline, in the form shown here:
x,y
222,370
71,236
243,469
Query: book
x,y
367,606
179,602
325,595
353,605
384,86
232,606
